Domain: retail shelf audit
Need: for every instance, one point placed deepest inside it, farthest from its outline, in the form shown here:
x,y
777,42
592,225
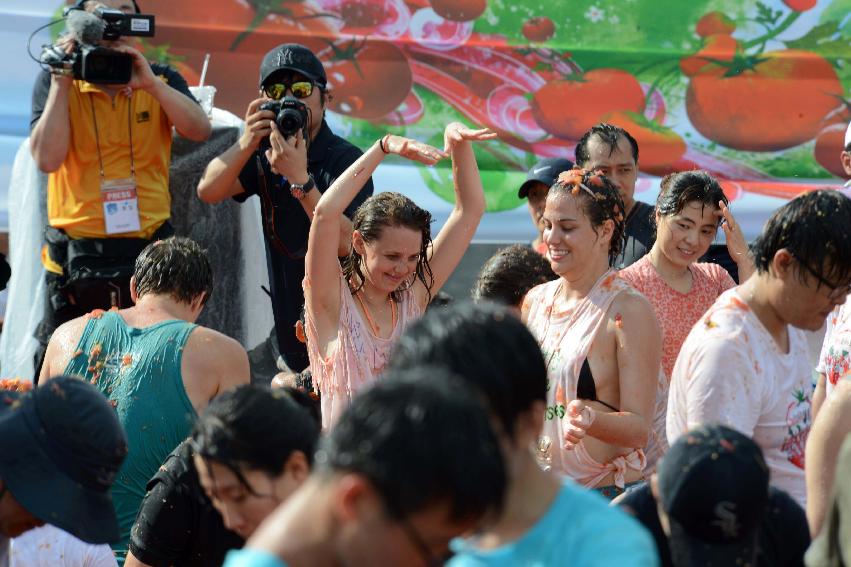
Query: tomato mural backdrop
x,y
755,92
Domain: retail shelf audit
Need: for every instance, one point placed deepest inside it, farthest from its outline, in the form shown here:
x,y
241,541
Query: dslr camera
x,y
290,115
90,61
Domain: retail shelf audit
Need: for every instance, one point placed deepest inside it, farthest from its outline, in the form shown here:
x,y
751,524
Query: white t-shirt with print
x,y
730,371
835,358
48,546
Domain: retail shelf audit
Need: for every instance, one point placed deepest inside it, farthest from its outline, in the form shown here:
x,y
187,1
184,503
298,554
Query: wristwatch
x,y
299,191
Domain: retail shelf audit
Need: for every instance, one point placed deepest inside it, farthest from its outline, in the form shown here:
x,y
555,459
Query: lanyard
x,y
97,137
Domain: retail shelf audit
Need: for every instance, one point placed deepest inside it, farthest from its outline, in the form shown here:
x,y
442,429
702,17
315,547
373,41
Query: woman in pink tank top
x,y
354,315
599,337
690,207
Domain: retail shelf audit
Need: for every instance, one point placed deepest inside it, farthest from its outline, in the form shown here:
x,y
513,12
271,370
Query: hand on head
x,y
736,243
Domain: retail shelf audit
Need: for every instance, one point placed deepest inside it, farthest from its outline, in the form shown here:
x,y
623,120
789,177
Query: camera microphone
x,y
85,27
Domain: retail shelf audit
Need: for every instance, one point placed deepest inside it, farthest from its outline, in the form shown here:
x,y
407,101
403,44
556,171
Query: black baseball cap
x,y
61,446
545,171
293,57
713,485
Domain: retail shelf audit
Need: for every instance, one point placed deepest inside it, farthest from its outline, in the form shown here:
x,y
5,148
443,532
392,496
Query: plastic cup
x,y
205,96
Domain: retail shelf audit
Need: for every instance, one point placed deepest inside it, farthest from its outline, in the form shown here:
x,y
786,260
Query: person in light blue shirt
x,y
546,520
412,463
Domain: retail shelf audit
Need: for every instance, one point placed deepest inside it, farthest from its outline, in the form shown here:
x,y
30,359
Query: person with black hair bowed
x,y
689,210
249,451
746,363
288,172
600,339
355,315
413,462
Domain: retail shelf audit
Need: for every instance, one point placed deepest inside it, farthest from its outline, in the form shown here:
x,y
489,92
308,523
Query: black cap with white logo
x,y
293,57
545,171
713,485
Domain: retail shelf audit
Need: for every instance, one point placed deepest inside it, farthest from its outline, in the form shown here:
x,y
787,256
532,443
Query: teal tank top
x,y
139,371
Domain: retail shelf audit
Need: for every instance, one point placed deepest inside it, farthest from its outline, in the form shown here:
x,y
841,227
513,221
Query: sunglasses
x,y
300,89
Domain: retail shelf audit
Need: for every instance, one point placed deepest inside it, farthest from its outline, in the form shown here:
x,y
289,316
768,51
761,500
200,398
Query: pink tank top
x,y
565,340
356,357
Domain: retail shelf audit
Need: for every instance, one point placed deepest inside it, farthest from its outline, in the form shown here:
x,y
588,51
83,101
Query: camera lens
x,y
290,121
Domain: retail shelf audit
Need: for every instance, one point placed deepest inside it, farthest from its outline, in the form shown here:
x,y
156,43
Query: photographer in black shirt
x,y
288,171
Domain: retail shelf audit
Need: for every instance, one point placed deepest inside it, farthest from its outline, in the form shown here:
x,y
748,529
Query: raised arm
x,y
187,116
221,178
51,135
736,243
451,243
322,291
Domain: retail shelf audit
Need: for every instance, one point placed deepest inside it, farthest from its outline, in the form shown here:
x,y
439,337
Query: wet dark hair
x,y
256,428
509,274
421,439
601,201
487,347
680,189
176,266
813,227
608,134
380,211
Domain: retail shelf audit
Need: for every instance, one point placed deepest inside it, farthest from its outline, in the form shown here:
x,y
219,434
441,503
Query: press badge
x,y
120,205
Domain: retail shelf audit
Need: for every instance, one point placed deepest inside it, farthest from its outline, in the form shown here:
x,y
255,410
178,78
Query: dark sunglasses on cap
x,y
300,89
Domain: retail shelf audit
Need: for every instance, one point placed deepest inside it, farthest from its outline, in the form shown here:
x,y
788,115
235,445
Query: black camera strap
x,y
97,137
267,213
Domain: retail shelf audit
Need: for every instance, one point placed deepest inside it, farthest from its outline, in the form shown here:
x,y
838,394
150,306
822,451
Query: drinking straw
x,y
204,70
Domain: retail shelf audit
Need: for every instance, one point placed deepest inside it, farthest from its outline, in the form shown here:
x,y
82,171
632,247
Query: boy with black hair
x,y
412,463
546,520
745,364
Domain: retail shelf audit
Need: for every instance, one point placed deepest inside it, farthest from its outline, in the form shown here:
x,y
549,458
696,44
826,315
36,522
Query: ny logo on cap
x,y
285,57
725,514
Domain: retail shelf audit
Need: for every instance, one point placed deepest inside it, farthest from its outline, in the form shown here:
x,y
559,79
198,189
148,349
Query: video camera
x,y
290,115
90,61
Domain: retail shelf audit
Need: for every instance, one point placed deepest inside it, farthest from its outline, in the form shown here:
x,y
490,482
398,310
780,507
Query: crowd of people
x,y
608,396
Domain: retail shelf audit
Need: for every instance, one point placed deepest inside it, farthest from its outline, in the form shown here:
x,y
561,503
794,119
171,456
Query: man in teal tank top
x,y
158,369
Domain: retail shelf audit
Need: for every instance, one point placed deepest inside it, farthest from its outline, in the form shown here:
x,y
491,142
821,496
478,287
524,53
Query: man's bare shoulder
x,y
60,350
212,344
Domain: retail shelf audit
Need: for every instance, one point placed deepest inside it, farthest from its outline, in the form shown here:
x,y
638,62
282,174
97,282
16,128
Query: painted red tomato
x,y
829,145
660,147
567,108
714,23
367,79
719,47
771,103
459,10
800,5
539,28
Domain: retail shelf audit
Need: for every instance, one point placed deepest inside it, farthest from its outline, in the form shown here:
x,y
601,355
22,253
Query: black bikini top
x,y
586,389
